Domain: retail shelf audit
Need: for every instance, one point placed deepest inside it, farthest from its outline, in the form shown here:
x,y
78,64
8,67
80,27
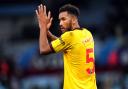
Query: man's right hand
x,y
43,18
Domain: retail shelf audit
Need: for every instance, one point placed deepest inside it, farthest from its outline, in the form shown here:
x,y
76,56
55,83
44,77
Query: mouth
x,y
62,29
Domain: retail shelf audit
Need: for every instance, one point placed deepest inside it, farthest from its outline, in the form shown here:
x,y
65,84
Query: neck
x,y
76,25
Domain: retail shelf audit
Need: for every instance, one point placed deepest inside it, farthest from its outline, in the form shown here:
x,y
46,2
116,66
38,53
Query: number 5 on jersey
x,y
89,60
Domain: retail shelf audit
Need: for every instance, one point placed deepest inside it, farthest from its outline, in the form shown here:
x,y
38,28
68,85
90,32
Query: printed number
x,y
90,59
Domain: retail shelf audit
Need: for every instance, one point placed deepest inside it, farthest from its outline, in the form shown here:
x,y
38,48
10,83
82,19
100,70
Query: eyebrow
x,y
61,18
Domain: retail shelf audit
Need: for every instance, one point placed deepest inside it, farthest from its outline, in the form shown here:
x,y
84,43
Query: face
x,y
65,21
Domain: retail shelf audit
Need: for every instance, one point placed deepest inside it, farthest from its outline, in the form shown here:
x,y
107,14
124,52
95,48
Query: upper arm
x,y
62,43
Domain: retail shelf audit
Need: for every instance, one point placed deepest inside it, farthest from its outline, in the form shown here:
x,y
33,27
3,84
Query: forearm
x,y
51,36
43,41
42,19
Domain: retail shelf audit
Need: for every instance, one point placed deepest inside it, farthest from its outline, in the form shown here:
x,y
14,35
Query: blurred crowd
x,y
21,65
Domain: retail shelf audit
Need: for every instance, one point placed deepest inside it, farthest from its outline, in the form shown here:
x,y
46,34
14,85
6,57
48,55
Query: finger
x,y
44,7
51,20
38,9
36,12
49,15
41,8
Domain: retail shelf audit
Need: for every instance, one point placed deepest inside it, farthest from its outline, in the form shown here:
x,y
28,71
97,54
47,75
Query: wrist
x,y
43,27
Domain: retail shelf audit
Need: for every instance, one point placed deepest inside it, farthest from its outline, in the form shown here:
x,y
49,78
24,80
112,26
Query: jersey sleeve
x,y
62,43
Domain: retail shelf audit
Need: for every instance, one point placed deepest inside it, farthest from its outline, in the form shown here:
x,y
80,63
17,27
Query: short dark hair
x,y
71,9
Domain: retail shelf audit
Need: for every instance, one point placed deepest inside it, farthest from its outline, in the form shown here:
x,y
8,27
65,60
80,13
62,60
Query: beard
x,y
68,28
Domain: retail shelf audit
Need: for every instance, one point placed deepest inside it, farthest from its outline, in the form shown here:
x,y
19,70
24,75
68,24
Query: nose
x,y
60,23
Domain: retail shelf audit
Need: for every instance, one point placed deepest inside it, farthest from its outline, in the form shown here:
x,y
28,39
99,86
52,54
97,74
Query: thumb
x,y
51,20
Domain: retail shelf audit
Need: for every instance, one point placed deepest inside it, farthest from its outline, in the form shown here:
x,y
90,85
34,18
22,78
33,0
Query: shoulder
x,y
67,34
83,30
87,31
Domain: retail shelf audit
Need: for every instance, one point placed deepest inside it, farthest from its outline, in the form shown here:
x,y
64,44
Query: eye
x,y
63,18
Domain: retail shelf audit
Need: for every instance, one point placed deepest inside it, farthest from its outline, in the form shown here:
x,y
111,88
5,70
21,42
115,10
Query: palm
x,y
43,18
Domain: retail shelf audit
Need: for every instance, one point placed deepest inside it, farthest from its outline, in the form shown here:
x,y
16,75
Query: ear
x,y
74,20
